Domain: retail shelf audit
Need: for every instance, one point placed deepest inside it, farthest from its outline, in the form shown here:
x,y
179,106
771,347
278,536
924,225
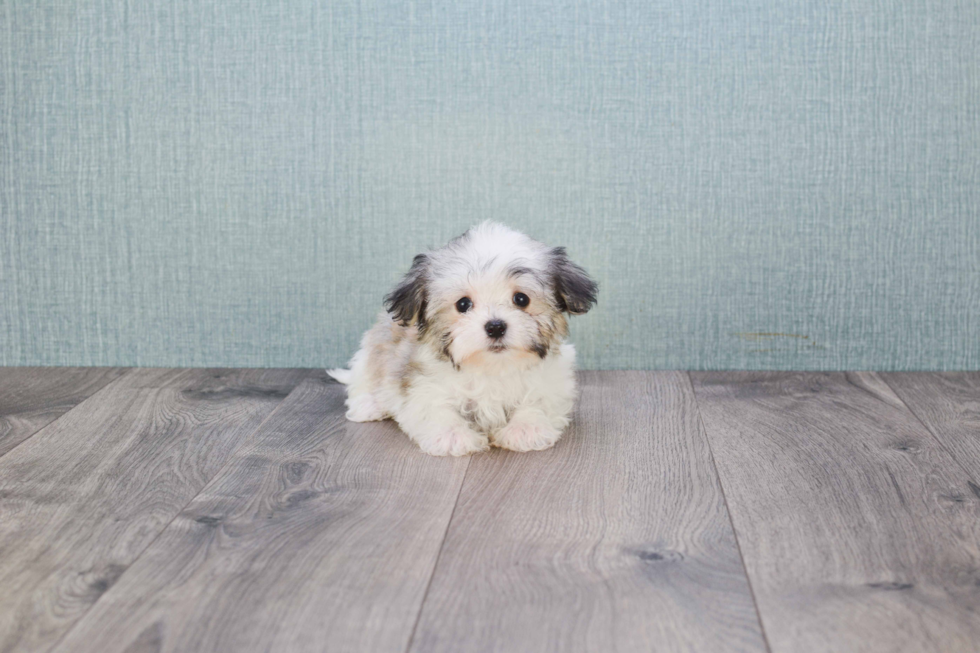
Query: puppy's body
x,y
471,352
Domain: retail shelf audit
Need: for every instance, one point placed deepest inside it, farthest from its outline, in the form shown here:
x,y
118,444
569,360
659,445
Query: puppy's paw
x,y
363,408
453,441
523,435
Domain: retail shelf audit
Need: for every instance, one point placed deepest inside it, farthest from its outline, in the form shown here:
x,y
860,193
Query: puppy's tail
x,y
342,375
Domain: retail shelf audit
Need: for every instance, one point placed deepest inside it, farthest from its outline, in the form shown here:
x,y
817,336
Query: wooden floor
x,y
236,510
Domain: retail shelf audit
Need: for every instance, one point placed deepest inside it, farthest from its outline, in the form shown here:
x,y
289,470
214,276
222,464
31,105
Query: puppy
x,y
471,352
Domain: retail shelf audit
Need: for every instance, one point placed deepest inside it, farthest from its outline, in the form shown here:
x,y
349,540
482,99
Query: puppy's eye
x,y
521,299
464,304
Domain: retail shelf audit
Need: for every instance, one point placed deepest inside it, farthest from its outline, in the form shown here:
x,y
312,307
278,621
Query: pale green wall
x,y
239,183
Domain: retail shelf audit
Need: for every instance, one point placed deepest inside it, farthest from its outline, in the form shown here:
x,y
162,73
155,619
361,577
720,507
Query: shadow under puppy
x,y
472,351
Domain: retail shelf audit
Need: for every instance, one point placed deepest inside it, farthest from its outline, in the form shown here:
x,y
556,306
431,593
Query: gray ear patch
x,y
575,291
407,302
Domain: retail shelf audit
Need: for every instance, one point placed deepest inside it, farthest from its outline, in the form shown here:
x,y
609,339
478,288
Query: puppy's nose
x,y
496,328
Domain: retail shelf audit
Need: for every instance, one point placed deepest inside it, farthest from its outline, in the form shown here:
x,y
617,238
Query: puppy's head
x,y
492,297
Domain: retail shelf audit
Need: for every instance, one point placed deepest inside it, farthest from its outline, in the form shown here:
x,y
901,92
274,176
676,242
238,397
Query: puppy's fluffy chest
x,y
488,400
486,396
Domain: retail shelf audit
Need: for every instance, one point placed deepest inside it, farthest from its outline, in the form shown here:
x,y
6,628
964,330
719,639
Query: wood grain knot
x,y
234,394
891,586
906,446
98,581
974,488
658,555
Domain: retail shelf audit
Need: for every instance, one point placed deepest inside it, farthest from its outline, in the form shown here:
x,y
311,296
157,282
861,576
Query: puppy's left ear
x,y
575,291
407,302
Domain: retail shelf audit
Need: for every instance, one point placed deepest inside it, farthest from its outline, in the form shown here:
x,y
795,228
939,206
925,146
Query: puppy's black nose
x,y
496,328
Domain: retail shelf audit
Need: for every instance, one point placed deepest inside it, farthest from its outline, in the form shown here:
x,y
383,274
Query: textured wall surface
x,y
755,184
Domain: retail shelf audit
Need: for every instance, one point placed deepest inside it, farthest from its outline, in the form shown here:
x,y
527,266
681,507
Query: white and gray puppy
x,y
472,351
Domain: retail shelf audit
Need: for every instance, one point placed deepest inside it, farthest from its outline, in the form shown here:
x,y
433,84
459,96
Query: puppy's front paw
x,y
521,435
454,441
363,408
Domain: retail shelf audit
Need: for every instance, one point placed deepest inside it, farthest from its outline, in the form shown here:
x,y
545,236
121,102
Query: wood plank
x,y
615,540
33,397
859,532
84,496
948,403
320,535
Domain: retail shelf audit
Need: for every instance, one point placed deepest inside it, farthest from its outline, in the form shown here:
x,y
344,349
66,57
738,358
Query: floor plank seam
x,y
935,437
728,512
435,565
57,419
149,544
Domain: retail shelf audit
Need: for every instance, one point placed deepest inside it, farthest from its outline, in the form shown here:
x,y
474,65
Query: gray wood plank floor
x,y
237,510
82,498
858,530
615,540
320,534
949,406
33,397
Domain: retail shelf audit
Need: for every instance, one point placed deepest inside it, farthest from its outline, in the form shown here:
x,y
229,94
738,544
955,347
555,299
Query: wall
x,y
755,184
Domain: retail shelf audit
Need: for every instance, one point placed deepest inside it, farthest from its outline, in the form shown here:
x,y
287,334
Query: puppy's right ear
x,y
406,303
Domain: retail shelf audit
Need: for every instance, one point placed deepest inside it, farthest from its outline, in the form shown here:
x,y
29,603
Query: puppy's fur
x,y
453,383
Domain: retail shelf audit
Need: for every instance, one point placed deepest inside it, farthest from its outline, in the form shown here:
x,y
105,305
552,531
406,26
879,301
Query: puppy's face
x,y
483,315
492,297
